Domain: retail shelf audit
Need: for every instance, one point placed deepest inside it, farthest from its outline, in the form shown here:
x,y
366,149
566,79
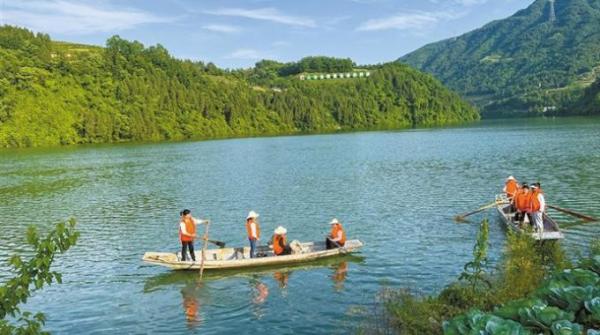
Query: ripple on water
x,y
396,191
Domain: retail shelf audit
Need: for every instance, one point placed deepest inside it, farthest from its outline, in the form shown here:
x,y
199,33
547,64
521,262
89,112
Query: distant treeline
x,y
55,93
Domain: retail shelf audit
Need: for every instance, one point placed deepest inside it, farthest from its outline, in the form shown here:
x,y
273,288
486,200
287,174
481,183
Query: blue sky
x,y
238,33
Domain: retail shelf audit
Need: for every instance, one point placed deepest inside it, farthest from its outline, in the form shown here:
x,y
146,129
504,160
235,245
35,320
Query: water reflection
x,y
339,276
282,278
191,304
280,274
258,284
260,293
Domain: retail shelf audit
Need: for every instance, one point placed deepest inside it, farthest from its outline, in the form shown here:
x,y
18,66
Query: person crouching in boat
x,y
253,230
521,203
280,246
187,233
538,206
337,237
511,187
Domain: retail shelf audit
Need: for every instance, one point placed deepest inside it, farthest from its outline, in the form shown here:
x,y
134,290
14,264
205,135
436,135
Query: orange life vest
x,y
249,230
521,200
278,240
511,188
535,201
190,227
334,233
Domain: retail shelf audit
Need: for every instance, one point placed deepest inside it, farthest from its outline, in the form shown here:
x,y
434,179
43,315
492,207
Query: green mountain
x,y
542,56
589,104
55,93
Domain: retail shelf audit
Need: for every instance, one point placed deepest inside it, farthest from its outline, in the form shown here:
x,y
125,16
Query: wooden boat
x,y
237,258
551,229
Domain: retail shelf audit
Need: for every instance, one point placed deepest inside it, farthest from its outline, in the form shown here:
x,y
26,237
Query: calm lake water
x,y
395,191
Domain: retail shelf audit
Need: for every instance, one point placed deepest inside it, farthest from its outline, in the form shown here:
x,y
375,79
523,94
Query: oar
x,y
204,245
217,243
461,217
575,214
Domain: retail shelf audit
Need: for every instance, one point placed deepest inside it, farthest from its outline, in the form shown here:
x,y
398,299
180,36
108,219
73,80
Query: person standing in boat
x,y
187,233
538,206
253,230
280,246
337,237
521,203
511,187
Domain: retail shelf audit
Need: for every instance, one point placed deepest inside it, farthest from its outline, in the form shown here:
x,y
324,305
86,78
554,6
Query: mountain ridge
x,y
527,61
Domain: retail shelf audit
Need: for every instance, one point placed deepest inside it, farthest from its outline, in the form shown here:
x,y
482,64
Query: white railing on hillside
x,y
323,76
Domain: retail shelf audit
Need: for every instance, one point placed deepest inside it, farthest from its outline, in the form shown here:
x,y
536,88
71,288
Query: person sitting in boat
x,y
538,206
187,233
280,246
253,230
521,203
511,186
337,237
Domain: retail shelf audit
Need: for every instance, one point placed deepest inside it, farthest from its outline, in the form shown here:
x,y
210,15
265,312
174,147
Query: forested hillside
x,y
529,63
589,104
54,93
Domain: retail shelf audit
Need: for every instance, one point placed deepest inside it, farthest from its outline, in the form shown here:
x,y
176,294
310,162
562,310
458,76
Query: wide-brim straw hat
x,y
252,215
510,178
334,221
280,231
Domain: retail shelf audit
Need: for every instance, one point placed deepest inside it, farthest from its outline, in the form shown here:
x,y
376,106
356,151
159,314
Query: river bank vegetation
x,y
56,93
534,290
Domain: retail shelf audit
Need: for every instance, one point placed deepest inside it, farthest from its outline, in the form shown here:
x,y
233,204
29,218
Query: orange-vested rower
x,y
337,237
511,187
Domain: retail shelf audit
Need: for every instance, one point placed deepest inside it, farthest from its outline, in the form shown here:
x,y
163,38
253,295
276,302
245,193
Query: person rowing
x,y
511,187
187,233
280,246
337,236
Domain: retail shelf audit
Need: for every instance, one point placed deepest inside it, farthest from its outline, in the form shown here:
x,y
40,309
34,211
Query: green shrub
x,y
32,275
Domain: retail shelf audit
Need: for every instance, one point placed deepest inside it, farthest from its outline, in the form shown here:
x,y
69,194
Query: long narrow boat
x,y
551,229
237,258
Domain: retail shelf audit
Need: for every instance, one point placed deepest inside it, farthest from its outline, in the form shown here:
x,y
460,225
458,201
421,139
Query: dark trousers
x,y
332,245
286,250
184,247
520,217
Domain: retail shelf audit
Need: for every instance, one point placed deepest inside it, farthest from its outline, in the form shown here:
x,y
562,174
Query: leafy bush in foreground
x,y
32,275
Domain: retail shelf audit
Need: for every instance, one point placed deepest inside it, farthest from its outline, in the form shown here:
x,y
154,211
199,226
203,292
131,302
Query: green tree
x,y
31,275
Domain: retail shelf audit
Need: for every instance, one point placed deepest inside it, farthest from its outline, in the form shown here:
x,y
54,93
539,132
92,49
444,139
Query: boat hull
x,y
551,229
238,258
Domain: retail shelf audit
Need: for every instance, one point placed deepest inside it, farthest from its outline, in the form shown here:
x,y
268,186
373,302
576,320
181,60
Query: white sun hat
x,y
280,231
252,215
334,221
510,178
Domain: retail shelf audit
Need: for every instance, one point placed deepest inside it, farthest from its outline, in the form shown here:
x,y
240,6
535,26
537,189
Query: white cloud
x,y
221,28
248,54
67,17
407,21
265,14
